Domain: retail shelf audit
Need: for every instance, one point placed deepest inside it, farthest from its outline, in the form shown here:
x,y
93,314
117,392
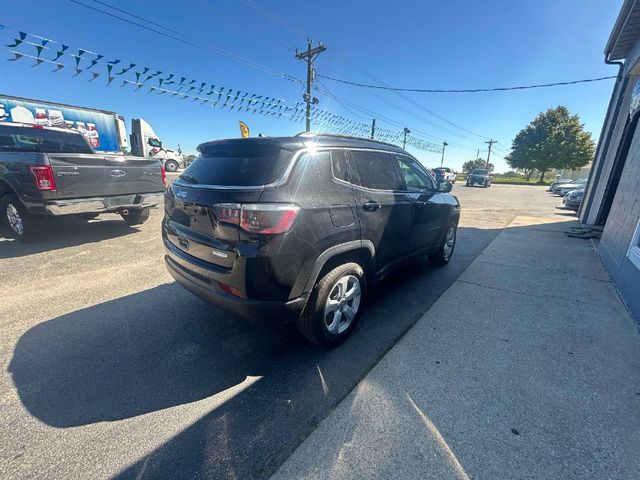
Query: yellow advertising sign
x,y
244,130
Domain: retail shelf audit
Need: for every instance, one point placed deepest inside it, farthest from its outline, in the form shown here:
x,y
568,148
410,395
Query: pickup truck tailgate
x,y
96,175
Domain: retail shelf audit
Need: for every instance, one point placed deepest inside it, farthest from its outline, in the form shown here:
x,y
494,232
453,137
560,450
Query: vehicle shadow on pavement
x,y
164,347
140,353
65,232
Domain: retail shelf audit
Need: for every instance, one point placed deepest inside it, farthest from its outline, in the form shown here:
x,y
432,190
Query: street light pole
x,y
444,145
404,142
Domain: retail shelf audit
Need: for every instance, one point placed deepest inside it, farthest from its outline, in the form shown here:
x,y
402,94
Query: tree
x,y
555,139
477,163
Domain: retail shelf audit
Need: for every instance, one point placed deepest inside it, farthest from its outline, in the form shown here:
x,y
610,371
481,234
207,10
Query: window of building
x,y
376,170
634,248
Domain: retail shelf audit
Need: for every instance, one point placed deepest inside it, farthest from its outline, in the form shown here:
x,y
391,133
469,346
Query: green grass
x,y
517,181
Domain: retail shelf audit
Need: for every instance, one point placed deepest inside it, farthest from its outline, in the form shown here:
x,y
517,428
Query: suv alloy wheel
x,y
334,305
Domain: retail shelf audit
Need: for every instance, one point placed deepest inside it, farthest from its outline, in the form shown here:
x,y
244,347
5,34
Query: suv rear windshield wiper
x,y
188,178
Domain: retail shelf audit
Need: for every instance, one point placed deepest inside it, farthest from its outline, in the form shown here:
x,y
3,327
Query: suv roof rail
x,y
348,137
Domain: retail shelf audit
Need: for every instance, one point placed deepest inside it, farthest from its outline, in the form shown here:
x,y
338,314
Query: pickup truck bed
x,y
69,178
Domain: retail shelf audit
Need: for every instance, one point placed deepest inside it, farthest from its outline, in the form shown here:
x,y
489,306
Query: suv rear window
x,y
376,170
238,165
479,172
41,140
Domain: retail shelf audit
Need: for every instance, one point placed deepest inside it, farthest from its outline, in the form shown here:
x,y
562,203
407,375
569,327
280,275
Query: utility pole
x,y
404,142
444,145
490,142
373,128
477,154
309,56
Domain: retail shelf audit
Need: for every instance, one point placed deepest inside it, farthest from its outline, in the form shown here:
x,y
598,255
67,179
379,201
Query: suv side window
x,y
375,170
339,165
414,178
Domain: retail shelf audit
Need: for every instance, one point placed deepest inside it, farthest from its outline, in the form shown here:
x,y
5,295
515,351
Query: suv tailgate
x,y
79,175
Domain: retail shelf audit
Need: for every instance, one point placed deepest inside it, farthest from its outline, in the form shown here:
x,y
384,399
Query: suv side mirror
x,y
445,187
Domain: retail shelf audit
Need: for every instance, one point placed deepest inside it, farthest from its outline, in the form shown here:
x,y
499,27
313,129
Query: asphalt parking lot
x,y
112,370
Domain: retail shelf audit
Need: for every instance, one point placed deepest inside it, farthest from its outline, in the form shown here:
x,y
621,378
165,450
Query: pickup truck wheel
x,y
334,306
19,222
171,166
136,216
445,250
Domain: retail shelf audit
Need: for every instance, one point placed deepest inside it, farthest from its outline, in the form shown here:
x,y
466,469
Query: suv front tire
x,y
334,305
445,250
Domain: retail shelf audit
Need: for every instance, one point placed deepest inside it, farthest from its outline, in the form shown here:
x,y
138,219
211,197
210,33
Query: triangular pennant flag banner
x,y
18,41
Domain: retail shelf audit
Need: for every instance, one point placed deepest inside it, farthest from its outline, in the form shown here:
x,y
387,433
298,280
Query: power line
x,y
276,18
466,90
407,99
191,41
303,34
225,20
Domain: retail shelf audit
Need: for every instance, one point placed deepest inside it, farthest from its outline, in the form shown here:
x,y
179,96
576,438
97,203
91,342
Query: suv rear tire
x,y
136,216
442,256
334,307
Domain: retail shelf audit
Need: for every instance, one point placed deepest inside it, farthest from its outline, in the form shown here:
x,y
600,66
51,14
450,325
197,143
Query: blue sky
x,y
426,44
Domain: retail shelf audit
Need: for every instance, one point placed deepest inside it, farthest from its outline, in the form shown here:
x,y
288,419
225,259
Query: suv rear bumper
x,y
103,204
278,312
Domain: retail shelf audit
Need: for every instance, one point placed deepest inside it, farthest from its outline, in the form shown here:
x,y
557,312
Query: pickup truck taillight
x,y
44,177
163,172
264,218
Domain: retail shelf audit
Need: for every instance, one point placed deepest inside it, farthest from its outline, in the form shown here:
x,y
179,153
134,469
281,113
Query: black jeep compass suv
x,y
299,227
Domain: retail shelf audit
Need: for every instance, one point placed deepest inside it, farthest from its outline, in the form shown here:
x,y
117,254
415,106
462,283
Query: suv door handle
x,y
371,206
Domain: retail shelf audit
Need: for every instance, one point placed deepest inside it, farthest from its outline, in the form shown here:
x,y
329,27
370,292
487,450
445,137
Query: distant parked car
x,y
573,199
559,181
480,176
564,188
445,174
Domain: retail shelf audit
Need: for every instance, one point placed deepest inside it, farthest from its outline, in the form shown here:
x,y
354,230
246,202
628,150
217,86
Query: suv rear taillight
x,y
163,172
264,218
44,177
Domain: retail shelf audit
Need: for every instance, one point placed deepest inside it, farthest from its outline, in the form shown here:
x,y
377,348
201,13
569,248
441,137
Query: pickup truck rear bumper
x,y
103,204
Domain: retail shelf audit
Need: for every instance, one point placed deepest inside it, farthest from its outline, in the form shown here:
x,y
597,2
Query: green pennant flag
x,y
39,49
78,58
109,70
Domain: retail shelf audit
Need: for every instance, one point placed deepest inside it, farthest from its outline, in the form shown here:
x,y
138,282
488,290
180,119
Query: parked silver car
x,y
563,188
